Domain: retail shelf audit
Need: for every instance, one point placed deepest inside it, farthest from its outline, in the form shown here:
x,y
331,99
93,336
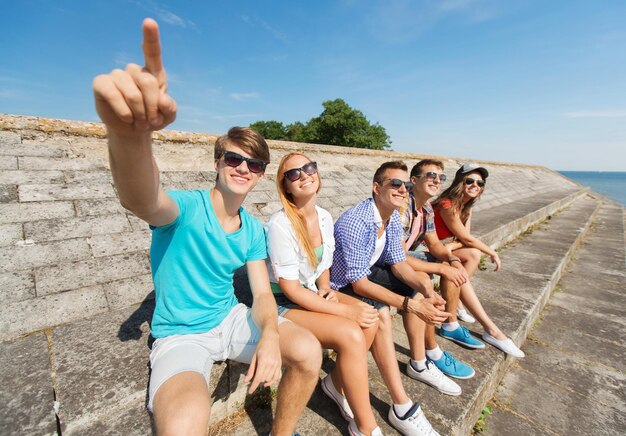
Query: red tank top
x,y
442,230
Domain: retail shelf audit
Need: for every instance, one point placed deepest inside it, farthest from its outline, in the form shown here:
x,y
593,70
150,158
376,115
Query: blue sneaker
x,y
453,367
462,336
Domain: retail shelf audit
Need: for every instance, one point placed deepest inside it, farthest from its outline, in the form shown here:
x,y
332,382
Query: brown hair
x,y
454,193
417,168
390,165
295,215
245,138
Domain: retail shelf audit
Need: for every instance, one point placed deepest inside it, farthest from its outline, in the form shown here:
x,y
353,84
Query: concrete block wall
x,y
69,251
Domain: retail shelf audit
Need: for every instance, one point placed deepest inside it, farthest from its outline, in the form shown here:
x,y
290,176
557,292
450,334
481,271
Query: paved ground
x,y
513,297
573,381
76,287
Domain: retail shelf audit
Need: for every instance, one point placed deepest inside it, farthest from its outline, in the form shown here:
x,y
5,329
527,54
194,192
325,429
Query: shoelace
x,y
421,422
449,359
465,331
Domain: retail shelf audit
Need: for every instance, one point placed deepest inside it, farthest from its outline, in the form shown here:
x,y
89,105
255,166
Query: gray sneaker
x,y
414,423
434,377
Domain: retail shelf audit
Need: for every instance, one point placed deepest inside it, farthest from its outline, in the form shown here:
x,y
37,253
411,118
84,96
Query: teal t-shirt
x,y
193,261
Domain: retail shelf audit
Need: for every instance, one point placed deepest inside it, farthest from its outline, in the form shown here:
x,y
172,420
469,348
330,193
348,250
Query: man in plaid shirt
x,y
370,263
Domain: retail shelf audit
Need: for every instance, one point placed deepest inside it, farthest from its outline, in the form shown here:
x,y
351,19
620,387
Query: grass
x,y
481,424
482,265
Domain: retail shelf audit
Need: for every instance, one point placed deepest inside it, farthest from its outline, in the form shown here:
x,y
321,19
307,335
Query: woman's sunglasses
x,y
431,175
295,173
396,183
470,181
233,159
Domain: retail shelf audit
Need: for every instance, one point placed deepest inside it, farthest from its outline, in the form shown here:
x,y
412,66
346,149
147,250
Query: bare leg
x,y
450,292
470,257
347,339
182,405
302,357
384,353
415,331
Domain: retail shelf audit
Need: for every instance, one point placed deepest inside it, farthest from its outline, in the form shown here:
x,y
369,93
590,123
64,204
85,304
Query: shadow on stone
x,y
131,329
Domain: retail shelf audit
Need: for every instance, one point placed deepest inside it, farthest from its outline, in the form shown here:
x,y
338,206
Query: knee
x,y
474,255
384,321
351,338
304,352
190,419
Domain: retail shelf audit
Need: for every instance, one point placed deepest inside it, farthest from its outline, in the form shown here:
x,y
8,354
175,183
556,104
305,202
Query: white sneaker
x,y
464,315
414,423
507,345
329,389
353,430
434,377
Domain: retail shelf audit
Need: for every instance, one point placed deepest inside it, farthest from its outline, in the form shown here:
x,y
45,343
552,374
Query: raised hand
x,y
134,101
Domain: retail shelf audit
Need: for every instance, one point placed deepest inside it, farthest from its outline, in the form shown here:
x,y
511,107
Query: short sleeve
x,y
258,248
187,206
282,250
355,242
395,233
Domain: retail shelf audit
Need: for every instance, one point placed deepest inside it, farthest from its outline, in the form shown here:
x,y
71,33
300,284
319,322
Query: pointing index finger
x,y
152,46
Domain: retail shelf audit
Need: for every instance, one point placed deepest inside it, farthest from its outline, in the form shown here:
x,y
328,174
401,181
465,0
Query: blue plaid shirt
x,y
355,242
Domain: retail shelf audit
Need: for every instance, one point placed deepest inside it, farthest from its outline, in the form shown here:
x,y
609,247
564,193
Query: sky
x,y
524,81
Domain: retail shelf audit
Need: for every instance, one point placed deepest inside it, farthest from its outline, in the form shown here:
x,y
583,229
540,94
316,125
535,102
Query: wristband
x,y
405,304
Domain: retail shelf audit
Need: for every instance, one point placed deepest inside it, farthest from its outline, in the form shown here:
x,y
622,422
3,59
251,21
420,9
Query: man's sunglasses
x,y
233,159
295,173
470,181
430,175
396,183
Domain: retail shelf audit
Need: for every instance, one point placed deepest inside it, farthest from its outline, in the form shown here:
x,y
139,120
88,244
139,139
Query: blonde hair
x,y
294,214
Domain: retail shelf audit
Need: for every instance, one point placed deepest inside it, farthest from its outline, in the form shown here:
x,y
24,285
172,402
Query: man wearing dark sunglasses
x,y
199,239
370,263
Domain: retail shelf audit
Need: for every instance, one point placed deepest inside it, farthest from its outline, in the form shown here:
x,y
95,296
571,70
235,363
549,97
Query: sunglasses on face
x,y
295,173
397,183
233,159
432,176
470,181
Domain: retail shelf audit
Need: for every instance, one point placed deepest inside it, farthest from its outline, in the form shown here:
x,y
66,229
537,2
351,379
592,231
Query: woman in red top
x,y
453,217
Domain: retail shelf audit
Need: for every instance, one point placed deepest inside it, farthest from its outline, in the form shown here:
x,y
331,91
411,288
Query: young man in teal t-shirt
x,y
199,239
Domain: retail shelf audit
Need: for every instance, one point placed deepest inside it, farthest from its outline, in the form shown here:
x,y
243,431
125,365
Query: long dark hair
x,y
454,193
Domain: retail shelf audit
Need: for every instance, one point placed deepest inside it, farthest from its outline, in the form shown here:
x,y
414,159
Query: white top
x,y
287,259
380,242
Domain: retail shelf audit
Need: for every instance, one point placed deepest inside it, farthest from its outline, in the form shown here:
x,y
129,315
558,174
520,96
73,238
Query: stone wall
x,y
69,251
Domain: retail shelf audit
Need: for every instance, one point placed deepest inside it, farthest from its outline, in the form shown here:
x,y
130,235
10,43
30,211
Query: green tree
x,y
338,124
270,129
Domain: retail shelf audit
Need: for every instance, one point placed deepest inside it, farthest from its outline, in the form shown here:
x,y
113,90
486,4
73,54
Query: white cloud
x,y
165,15
240,96
277,34
596,114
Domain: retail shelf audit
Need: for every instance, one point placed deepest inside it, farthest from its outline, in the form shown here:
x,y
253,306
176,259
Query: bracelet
x,y
405,304
456,259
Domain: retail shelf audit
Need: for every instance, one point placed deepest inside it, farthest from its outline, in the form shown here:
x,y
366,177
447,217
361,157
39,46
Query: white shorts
x,y
235,338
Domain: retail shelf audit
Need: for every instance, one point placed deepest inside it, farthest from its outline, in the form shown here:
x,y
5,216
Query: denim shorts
x,y
235,338
284,304
384,277
423,255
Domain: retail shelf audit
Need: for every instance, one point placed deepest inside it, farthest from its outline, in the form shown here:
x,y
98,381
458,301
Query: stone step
x,y
512,297
573,380
107,355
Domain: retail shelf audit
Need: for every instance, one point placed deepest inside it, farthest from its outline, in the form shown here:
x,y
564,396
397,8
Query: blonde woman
x,y
300,247
453,217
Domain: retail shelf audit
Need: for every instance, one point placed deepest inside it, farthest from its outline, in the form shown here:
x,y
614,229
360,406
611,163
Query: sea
x,y
611,184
